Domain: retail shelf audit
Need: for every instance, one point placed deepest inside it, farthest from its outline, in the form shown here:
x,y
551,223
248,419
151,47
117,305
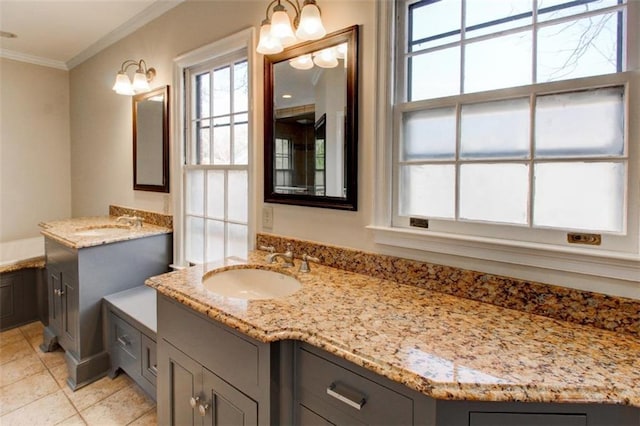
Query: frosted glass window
x,y
195,192
433,22
494,192
584,123
222,91
498,62
215,194
429,134
490,16
203,108
587,196
238,236
240,87
495,129
428,190
237,195
215,240
435,74
578,48
240,139
195,239
221,141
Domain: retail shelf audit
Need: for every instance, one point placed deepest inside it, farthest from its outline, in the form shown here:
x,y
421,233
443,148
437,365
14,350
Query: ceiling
x,y
62,34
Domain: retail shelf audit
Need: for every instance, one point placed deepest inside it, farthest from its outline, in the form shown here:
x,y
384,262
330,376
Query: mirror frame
x,y
350,202
164,187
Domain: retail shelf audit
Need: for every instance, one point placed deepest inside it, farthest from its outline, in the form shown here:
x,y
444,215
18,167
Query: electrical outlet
x,y
267,217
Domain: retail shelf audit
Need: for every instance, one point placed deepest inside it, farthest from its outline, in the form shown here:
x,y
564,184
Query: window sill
x,y
607,264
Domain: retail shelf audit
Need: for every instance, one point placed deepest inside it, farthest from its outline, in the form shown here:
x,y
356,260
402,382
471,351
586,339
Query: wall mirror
x,y
310,135
151,140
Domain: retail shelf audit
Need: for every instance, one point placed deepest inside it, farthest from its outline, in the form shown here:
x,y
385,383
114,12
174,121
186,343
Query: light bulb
x,y
310,27
281,26
302,62
268,45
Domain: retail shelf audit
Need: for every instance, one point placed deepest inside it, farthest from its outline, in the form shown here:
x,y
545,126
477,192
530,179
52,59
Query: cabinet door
x,y
69,310
225,405
54,288
184,382
306,417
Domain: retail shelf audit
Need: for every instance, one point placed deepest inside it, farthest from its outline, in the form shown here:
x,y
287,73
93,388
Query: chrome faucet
x,y
287,257
133,221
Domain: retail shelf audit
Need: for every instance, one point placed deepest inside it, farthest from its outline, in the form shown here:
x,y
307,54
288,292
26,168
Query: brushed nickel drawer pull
x,y
123,340
357,404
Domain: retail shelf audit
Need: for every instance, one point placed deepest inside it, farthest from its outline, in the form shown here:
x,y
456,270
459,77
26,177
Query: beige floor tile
x,y
10,336
48,410
32,329
149,419
13,351
17,370
75,420
120,408
27,390
60,374
52,359
35,341
96,391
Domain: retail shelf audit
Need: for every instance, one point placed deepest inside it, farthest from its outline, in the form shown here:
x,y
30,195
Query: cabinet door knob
x,y
194,401
58,292
203,409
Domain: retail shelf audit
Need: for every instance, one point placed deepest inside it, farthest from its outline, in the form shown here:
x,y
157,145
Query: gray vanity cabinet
x,y
224,380
78,279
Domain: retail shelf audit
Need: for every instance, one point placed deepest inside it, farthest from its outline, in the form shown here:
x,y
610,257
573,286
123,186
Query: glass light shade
x,y
341,51
122,85
140,83
281,28
310,27
302,62
326,58
268,45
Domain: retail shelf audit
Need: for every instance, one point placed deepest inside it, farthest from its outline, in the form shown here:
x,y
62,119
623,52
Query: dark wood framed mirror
x,y
311,123
151,140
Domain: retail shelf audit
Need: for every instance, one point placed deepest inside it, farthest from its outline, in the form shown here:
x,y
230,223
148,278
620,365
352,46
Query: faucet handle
x,y
304,265
270,249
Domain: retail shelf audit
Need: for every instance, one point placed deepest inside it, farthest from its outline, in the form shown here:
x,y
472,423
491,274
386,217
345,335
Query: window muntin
x,y
217,156
489,154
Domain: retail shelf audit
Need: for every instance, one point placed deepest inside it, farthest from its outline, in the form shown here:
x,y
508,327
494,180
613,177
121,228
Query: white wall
x,y
101,132
34,148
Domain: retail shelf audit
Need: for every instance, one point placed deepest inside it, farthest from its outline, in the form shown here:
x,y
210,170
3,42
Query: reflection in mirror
x,y
310,123
151,141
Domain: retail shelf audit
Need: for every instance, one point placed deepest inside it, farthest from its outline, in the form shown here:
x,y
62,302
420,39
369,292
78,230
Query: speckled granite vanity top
x,y
443,346
93,231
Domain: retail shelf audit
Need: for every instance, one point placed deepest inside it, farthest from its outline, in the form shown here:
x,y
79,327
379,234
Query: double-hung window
x,y
216,166
511,122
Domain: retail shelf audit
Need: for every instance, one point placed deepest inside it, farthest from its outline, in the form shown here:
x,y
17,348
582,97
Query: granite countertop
x,y
84,232
440,345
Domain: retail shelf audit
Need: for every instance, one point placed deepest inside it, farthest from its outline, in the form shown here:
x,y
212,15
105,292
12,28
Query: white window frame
x,y
245,39
558,257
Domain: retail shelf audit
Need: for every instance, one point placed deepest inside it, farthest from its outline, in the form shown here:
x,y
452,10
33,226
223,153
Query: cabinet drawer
x,y
323,383
125,345
149,360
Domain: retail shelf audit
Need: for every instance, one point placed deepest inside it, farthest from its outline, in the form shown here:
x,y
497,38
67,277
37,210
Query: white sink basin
x,y
102,231
251,284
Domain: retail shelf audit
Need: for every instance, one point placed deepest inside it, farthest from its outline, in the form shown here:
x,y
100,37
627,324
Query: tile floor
x,y
33,389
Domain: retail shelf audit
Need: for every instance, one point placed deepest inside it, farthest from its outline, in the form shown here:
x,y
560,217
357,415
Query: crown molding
x,y
147,15
32,59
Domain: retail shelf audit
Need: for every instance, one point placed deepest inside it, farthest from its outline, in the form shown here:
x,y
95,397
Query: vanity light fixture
x,y
141,78
276,32
326,58
302,62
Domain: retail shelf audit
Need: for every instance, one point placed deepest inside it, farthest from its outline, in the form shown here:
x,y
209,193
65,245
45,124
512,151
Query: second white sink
x,y
251,284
